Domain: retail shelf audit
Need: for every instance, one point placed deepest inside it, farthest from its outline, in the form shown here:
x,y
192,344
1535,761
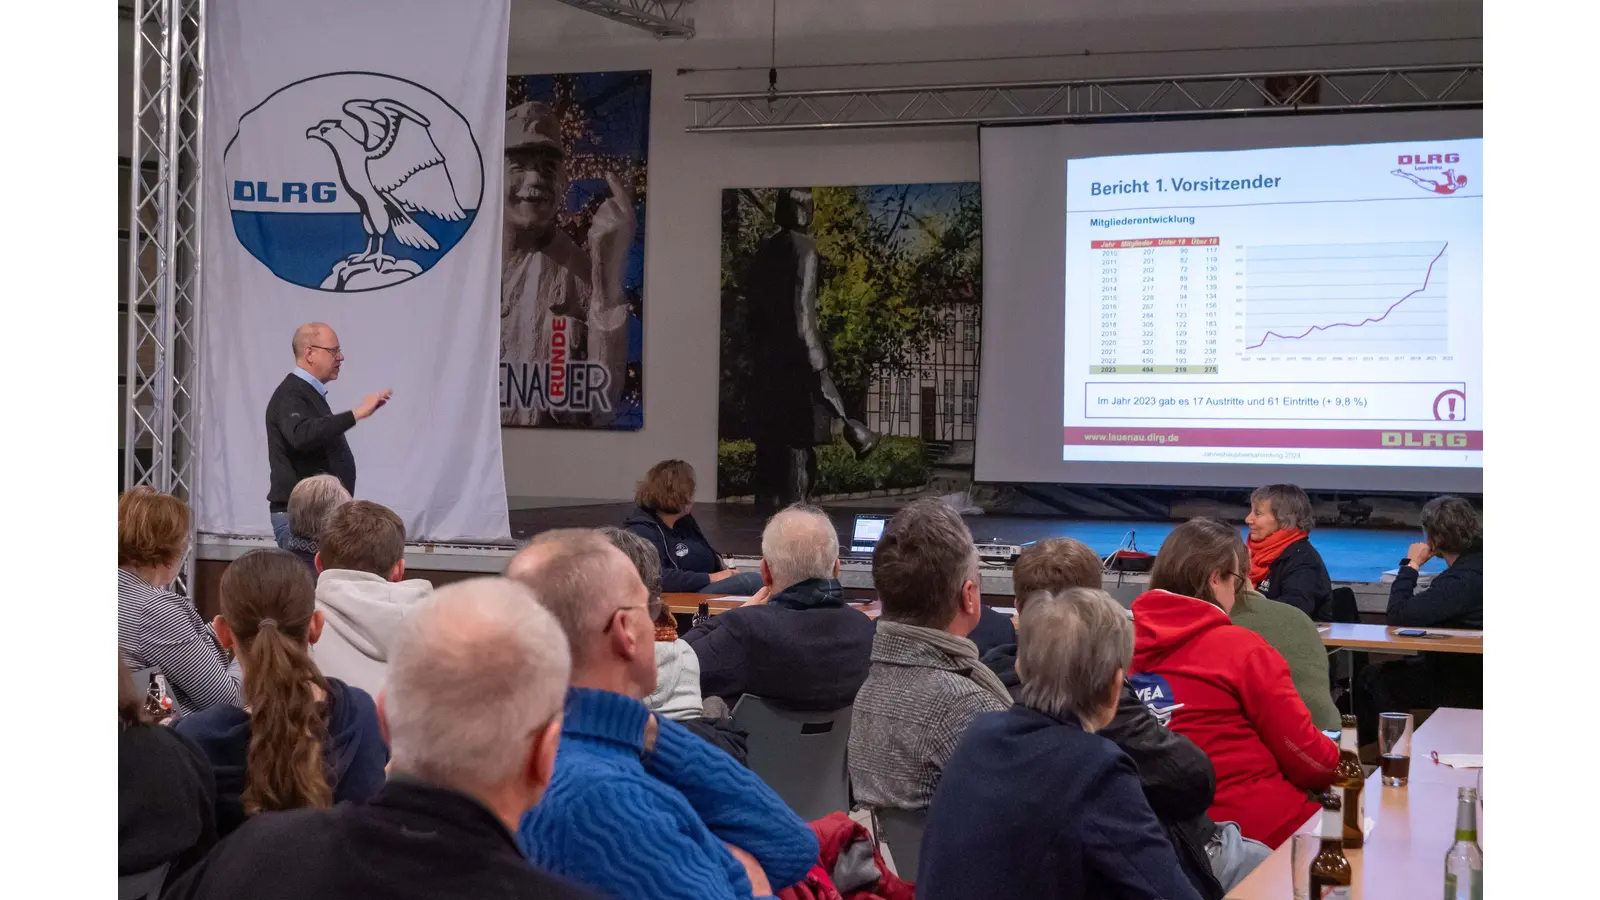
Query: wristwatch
x,y
1405,562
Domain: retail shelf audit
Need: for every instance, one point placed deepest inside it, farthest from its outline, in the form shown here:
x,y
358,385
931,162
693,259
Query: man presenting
x,y
304,436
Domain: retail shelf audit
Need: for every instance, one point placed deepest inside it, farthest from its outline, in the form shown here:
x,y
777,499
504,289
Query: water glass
x,y
1394,747
1303,848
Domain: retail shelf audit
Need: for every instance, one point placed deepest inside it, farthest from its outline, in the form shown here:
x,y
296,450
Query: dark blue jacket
x,y
354,754
803,649
1034,806
1454,599
995,629
1299,578
687,558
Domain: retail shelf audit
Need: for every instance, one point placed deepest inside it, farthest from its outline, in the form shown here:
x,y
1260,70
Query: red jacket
x,y
1239,706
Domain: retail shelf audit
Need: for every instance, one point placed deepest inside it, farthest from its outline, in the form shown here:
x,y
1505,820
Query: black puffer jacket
x,y
1176,775
1299,578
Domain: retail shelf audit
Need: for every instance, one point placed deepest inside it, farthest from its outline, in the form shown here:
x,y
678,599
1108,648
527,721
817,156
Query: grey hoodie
x,y
361,614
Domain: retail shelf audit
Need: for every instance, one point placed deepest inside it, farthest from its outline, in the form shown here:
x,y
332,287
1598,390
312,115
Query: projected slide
x,y
1304,305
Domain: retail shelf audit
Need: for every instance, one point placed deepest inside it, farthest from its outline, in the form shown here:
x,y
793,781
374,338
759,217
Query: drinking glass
x,y
1302,849
1394,747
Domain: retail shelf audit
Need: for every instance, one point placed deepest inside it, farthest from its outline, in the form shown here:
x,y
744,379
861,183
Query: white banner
x,y
353,177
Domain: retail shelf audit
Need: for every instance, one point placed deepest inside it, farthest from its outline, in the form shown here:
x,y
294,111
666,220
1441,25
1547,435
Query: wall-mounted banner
x,y
572,279
350,177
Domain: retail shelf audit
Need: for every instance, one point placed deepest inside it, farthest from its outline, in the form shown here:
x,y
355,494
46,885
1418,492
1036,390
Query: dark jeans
x,y
1415,683
744,584
280,529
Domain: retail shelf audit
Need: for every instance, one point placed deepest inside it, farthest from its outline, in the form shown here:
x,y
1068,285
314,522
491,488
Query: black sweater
x,y
1299,578
165,801
803,649
304,438
413,841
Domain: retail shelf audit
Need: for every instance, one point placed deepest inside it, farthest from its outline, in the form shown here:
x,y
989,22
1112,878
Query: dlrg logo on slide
x,y
1431,159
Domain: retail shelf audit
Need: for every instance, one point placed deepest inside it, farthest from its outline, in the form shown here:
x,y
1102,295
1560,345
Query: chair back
x,y
143,886
800,755
1344,605
901,829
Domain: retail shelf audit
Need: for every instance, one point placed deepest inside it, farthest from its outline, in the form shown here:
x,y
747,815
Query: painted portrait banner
x,y
849,356
572,274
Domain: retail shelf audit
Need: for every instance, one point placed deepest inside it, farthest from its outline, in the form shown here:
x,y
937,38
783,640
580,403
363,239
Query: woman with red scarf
x,y
1283,564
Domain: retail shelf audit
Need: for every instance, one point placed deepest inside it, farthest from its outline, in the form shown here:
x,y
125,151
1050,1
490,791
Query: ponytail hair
x,y
268,600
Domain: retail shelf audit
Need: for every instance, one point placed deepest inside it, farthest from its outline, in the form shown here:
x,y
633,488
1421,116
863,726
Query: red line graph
x,y
1367,321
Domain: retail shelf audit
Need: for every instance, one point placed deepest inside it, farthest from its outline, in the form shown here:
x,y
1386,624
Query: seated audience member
x,y
796,643
156,627
677,693
688,561
166,797
472,707
639,806
310,503
926,683
1453,532
1176,776
363,594
994,629
1239,701
300,739
1293,634
1033,804
1283,564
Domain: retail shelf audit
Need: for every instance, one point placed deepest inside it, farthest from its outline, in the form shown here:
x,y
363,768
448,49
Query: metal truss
x,y
662,18
162,415
1093,100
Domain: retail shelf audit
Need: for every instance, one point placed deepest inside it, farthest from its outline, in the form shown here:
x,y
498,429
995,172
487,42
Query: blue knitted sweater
x,y
643,825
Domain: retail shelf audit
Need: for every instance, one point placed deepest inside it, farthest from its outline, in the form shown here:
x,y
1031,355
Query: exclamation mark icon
x,y
1452,408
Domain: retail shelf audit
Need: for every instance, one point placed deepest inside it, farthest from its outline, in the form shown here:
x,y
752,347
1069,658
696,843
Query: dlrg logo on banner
x,y
352,181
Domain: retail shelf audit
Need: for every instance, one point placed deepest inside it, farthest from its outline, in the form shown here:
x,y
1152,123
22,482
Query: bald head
x,y
478,668
583,579
316,349
799,543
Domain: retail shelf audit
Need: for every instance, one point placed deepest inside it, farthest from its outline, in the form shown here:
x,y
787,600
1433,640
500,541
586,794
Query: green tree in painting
x,y
892,257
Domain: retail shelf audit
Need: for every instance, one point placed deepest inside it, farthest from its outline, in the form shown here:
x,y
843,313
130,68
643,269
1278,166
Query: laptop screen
x,y
867,531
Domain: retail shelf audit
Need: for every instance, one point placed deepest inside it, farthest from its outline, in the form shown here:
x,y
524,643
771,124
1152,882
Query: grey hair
x,y
1070,646
799,543
1451,525
312,501
646,561
580,577
478,668
1289,505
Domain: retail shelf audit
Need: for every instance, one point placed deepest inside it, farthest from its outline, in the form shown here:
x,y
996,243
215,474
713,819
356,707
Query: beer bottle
x,y
1463,864
1330,871
1348,779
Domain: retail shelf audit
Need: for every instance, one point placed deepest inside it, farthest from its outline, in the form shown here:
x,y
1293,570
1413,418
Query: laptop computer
x,y
864,537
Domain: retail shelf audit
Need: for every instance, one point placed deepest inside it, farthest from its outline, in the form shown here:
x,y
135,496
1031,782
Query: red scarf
x,y
1266,550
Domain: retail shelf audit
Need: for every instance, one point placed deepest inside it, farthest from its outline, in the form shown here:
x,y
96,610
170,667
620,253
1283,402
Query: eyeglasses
x,y
330,350
653,608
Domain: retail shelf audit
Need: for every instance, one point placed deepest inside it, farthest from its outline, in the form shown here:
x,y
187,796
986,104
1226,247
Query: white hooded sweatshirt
x,y
361,615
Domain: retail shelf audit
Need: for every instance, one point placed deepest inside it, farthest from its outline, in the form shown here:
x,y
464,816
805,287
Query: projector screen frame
x,y
1037,369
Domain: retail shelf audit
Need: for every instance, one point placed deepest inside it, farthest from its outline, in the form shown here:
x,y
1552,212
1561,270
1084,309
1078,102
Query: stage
x,y
1356,557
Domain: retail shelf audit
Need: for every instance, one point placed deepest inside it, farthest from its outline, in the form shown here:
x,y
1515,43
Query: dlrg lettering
x,y
288,192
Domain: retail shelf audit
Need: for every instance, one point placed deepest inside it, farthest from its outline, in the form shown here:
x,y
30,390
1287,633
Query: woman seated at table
x,y
1283,564
1453,532
1234,694
688,561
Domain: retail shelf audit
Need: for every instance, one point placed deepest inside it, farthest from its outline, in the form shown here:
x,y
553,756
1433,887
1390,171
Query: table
x,y
1382,638
689,604
1413,826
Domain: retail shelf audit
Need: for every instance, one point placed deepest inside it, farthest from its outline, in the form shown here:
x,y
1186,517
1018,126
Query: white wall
x,y
688,172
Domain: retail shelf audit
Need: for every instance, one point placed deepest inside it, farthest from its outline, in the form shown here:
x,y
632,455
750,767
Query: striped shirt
x,y
156,627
